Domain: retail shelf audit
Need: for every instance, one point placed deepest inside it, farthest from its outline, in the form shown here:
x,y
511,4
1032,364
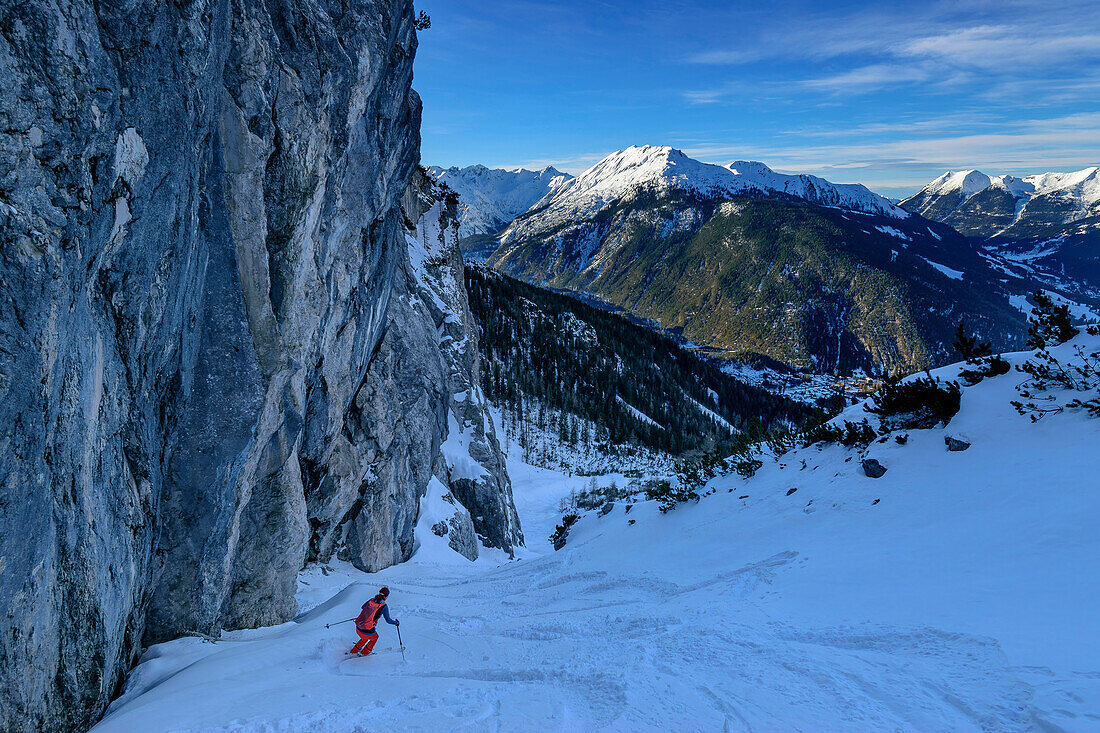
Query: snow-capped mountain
x,y
661,168
490,198
1045,226
853,196
742,259
1006,207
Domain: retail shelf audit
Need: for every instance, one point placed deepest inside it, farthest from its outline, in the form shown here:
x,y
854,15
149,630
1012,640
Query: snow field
x,y
955,593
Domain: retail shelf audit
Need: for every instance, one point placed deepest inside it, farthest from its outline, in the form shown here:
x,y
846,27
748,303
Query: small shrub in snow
x,y
922,402
594,497
824,433
668,495
561,532
747,467
978,355
1047,374
968,346
852,434
694,474
1050,324
779,442
986,366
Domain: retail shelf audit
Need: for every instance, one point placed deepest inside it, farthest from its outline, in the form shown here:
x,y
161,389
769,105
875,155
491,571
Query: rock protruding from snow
x,y
490,198
955,444
873,469
470,463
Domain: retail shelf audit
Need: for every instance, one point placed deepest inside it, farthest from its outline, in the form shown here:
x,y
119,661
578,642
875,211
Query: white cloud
x,y
866,78
1071,142
1004,48
933,45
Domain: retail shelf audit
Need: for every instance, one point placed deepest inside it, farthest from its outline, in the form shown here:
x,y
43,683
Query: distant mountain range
x,y
1045,225
744,260
490,198
666,168
1006,207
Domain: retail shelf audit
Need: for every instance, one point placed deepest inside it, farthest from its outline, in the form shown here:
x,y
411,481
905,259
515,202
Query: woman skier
x,y
367,621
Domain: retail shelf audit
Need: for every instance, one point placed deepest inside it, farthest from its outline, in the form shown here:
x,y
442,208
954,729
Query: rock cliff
x,y
212,367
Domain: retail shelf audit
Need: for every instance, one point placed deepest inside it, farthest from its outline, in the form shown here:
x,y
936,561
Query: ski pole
x,y
400,643
340,622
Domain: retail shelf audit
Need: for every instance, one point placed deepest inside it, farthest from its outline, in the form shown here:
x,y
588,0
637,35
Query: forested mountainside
x,y
636,385
807,285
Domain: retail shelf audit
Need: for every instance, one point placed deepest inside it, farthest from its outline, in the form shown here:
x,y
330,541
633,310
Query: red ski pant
x,y
368,638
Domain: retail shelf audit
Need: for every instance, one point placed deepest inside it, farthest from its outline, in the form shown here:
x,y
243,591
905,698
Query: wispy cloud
x,y
885,93
1032,145
865,78
931,45
1006,48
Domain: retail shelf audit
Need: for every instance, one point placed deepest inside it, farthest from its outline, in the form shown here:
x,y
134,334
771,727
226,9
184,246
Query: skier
x,y
368,619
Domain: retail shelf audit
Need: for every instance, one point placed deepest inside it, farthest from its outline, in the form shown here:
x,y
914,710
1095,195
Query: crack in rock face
x,y
202,262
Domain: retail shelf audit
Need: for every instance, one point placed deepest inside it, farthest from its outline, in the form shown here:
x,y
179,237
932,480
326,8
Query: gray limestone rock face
x,y
471,464
208,314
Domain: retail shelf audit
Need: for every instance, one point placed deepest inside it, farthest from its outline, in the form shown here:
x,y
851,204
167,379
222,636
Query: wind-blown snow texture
x,y
957,592
490,198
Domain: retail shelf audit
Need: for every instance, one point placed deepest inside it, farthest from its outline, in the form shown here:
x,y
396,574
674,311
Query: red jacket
x,y
368,617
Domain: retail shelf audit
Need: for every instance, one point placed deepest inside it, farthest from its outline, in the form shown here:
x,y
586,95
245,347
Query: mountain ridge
x,y
490,198
1045,225
1007,207
807,285
667,169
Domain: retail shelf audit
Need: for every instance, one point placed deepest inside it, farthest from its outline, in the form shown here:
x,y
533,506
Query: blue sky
x,y
886,94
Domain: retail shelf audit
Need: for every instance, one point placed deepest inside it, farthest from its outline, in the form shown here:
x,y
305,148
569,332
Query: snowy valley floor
x,y
964,599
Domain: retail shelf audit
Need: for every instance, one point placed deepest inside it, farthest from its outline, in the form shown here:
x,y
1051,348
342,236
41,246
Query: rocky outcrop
x,y
955,444
206,321
471,463
873,469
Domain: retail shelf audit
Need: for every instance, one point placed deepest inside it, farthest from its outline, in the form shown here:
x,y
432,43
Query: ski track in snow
x,y
963,600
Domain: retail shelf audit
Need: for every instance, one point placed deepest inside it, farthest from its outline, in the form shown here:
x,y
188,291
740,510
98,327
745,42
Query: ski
x,y
387,650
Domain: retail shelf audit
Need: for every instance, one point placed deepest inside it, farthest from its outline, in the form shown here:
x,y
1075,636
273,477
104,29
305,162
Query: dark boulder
x,y
954,444
872,468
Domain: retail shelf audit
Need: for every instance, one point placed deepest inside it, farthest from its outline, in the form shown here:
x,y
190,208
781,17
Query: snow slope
x,y
957,592
664,168
490,198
